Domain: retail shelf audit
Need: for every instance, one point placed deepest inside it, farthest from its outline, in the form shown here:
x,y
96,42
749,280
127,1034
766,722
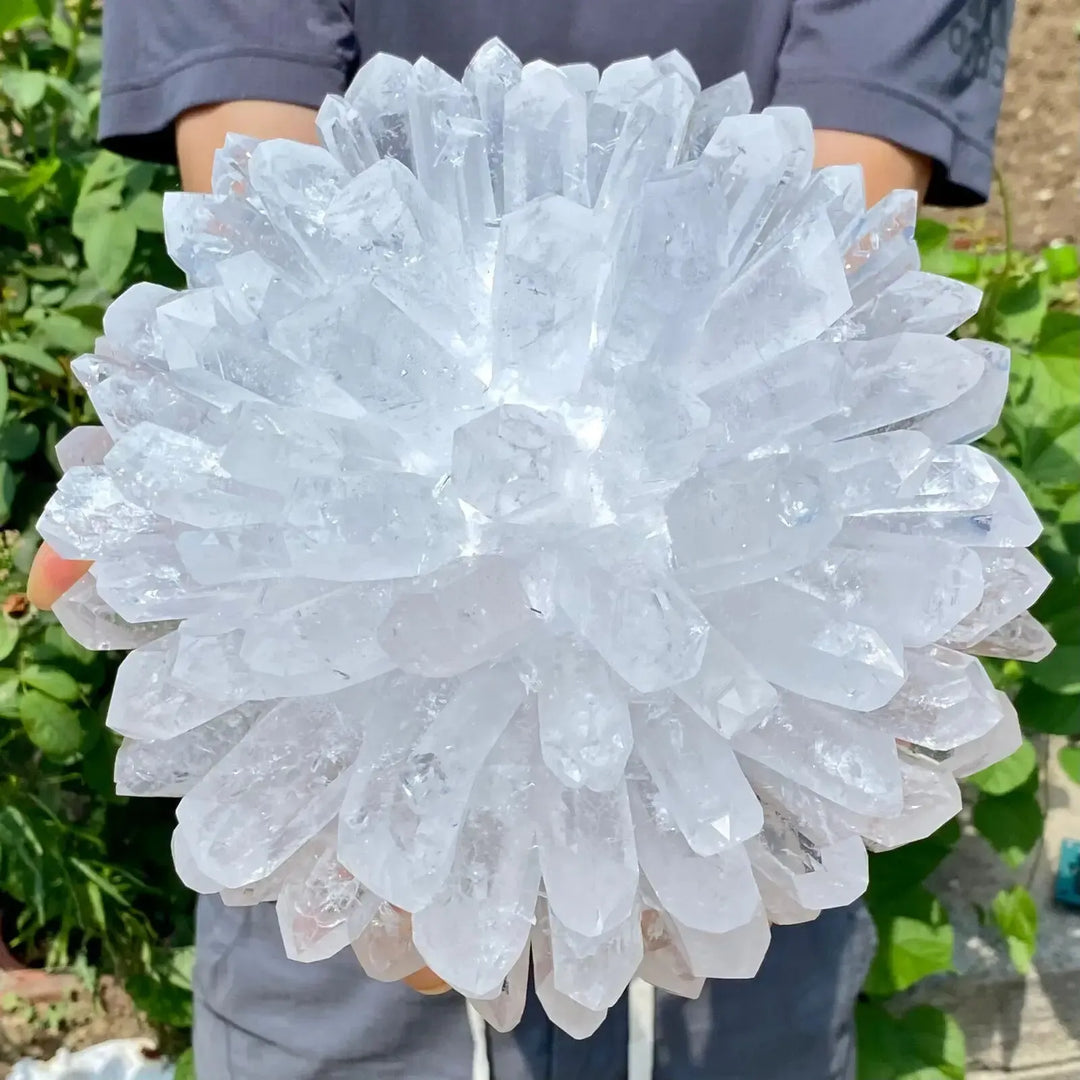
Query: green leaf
x,y
32,355
1069,760
892,872
7,491
1059,335
46,273
90,315
37,178
1060,671
106,170
1021,307
97,908
145,210
43,298
91,207
101,882
164,993
9,687
52,726
24,88
913,950
1008,774
54,649
64,331
1062,375
14,13
1042,710
1057,608
962,265
1069,522
109,246
60,30
9,637
923,1044
914,940
12,215
930,235
1018,920
185,1066
51,681
61,644
1058,463
1062,262
1012,824
97,767
80,100
18,440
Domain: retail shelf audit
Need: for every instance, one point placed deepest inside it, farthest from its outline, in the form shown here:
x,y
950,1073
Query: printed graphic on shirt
x,y
979,35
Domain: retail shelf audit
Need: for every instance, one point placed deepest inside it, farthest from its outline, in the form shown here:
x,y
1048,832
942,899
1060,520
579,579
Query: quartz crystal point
x,y
585,735
385,947
322,911
575,1018
504,1010
547,531
495,874
400,817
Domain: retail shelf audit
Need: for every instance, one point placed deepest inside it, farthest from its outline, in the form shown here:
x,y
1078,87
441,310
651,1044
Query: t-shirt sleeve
x,y
926,74
162,57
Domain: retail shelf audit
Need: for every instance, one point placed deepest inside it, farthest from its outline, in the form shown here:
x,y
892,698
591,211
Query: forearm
x,y
886,166
199,132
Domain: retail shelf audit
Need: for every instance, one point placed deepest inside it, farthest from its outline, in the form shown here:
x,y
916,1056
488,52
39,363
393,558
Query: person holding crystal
x,y
910,92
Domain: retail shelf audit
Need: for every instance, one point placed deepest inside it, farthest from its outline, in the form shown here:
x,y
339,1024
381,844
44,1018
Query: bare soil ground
x,y
1038,143
37,1018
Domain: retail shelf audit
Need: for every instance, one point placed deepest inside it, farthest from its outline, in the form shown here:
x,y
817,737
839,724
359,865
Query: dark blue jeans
x,y
260,1016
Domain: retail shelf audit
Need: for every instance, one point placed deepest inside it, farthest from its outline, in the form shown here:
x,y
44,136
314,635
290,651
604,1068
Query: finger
x,y
51,577
425,981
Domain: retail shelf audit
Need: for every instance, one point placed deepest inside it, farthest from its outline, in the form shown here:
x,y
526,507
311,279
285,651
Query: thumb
x,y
51,576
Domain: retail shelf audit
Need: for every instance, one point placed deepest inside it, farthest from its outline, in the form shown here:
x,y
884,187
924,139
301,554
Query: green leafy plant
x,y
82,880
922,1044
1030,303
185,1066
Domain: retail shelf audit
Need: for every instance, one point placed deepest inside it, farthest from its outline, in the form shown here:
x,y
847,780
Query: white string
x,y
481,1067
639,1064
639,1049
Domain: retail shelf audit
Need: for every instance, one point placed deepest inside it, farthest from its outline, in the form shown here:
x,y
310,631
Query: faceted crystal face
x,y
511,459
546,531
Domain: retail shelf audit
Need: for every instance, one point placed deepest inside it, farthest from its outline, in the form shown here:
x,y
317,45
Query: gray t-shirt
x,y
926,74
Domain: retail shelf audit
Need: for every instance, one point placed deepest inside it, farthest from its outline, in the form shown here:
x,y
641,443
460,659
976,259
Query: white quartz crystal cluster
x,y
546,529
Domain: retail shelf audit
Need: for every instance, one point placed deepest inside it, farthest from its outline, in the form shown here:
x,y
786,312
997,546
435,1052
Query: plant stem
x,y
78,24
986,319
1006,216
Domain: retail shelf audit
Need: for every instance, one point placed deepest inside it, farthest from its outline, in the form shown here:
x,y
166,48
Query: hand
x,y
200,131
52,576
425,981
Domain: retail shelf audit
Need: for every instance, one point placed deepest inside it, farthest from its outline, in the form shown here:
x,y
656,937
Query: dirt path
x,y
1038,144
75,1020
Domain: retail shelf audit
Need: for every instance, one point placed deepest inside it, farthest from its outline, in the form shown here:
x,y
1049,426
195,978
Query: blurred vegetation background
x,y
86,883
